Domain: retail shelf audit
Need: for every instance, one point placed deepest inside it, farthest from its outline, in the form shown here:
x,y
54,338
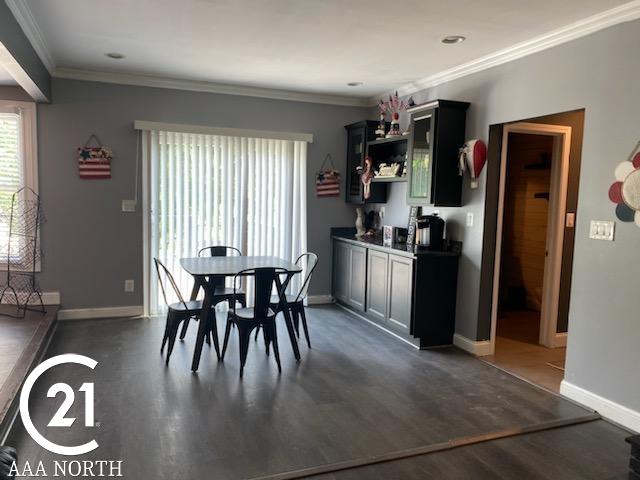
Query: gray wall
x,y
600,74
14,40
90,246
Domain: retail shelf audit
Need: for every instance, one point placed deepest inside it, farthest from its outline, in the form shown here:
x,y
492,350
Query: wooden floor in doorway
x,y
518,351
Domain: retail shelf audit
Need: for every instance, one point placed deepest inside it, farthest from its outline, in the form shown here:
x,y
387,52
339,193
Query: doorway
x,y
529,251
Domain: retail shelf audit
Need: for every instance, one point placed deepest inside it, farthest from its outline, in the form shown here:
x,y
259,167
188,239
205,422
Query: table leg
x,y
194,294
204,326
287,316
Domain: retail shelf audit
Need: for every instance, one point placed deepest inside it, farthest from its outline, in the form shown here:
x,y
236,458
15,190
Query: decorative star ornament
x,y
625,191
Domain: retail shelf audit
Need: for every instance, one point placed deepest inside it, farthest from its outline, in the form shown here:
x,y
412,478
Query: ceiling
x,y
310,46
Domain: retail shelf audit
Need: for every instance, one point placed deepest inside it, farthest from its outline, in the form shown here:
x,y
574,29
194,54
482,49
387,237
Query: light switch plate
x,y
128,206
469,219
129,286
571,220
602,230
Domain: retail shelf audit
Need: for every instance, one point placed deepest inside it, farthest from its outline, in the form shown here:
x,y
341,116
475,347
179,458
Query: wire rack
x,y
21,250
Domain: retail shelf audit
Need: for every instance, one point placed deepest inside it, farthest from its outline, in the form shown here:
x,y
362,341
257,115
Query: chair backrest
x,y
264,279
219,251
164,272
311,260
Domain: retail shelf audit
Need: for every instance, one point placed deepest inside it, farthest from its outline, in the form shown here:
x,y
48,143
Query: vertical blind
x,y
248,193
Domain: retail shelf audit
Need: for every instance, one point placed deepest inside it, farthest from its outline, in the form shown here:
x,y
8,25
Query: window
x,y
18,160
249,193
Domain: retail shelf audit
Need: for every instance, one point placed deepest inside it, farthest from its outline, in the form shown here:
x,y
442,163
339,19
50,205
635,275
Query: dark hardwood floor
x,y
21,343
357,392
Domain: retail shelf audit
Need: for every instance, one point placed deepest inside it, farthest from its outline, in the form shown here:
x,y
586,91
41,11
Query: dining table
x,y
207,271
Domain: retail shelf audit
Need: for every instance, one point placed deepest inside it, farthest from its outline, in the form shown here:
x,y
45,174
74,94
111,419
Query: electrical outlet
x,y
128,206
129,286
469,219
602,230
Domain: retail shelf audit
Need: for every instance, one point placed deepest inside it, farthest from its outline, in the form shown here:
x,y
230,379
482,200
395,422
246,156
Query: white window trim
x,y
28,113
29,140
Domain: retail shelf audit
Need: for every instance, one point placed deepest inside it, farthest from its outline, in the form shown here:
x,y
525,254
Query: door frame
x,y
556,221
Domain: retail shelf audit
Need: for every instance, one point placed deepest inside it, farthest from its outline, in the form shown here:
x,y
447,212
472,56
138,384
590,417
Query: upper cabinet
x,y
437,132
358,136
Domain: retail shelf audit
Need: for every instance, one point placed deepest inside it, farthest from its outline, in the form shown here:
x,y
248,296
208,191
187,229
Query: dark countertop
x,y
348,235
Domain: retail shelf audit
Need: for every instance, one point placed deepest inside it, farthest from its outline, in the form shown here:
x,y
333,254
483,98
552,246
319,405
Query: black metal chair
x,y
221,292
295,303
260,315
178,312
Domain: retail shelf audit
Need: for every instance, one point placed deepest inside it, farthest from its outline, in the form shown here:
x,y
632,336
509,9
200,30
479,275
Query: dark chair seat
x,y
194,306
249,313
227,292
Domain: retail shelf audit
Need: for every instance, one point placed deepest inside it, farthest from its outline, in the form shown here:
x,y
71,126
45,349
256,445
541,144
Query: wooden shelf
x,y
395,139
389,179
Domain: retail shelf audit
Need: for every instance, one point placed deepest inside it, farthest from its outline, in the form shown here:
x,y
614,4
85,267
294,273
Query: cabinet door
x,y
341,271
356,144
358,271
377,273
400,291
420,157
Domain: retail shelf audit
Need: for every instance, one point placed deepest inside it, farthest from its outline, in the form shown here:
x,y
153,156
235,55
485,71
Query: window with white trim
x,y
18,158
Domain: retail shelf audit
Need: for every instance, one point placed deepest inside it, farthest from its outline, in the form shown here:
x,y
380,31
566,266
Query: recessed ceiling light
x,y
354,84
451,39
114,55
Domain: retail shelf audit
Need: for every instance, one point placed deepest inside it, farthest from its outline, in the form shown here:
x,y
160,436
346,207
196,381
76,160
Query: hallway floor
x,y
518,351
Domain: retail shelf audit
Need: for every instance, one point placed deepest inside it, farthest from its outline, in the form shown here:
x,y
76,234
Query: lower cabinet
x,y
400,291
349,274
412,296
377,281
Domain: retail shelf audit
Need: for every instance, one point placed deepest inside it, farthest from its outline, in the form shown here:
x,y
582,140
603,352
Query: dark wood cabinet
x,y
358,135
411,294
437,133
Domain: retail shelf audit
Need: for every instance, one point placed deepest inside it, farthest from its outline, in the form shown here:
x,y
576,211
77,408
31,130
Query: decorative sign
x,y
94,162
414,213
625,192
327,179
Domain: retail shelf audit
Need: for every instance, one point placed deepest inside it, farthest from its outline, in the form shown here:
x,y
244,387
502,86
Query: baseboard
x,y
610,410
319,299
474,347
560,340
104,312
48,298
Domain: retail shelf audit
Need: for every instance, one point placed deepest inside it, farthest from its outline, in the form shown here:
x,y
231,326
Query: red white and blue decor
x,y
94,162
625,191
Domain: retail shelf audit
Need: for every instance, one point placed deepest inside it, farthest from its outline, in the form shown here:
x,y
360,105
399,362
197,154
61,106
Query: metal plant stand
x,y
23,253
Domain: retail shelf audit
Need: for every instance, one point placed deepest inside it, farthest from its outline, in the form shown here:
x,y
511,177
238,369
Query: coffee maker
x,y
430,231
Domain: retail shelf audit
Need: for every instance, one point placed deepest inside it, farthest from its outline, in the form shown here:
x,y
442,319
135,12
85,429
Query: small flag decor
x,y
327,179
94,162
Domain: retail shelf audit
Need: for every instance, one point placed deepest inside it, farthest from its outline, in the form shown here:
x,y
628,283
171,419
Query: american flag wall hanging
x,y
327,179
94,162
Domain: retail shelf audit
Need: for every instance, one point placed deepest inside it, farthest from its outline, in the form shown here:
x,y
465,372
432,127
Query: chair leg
x,y
257,332
295,317
244,335
214,332
227,332
183,333
167,328
271,326
303,316
172,338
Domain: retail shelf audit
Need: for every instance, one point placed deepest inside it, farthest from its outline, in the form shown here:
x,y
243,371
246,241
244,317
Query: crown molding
x,y
210,87
623,13
24,17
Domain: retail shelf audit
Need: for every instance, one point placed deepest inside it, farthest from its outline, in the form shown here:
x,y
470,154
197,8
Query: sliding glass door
x,y
248,193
